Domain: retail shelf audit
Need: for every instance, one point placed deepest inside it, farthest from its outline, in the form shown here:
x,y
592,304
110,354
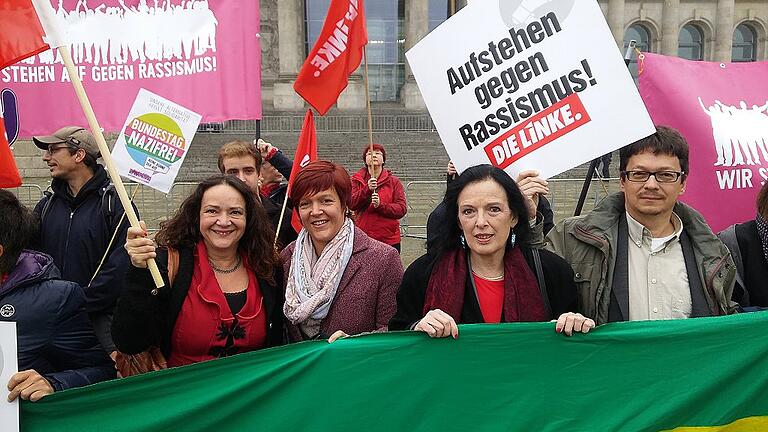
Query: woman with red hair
x,y
339,281
378,198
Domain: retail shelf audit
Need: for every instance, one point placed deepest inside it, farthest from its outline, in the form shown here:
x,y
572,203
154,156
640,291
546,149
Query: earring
x,y
512,238
462,241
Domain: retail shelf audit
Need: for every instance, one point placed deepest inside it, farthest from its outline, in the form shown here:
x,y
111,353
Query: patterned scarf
x,y
448,282
762,232
313,280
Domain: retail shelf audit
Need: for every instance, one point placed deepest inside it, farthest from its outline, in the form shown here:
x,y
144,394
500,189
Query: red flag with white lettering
x,y
336,54
306,152
22,34
9,174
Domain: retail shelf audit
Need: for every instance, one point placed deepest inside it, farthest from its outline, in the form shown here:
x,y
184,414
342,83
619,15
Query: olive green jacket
x,y
588,244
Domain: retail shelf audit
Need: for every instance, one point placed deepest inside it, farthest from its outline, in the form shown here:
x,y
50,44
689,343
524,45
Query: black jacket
x,y
558,276
55,337
143,320
273,204
75,231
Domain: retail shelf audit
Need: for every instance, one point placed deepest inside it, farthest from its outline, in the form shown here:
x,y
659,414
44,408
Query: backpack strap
x,y
49,194
173,264
542,282
108,204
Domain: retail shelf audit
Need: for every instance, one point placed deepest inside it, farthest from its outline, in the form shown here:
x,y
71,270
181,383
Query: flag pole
x,y
368,105
282,214
105,154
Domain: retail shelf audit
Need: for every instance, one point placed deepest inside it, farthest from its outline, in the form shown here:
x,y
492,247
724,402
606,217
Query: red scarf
x,y
522,297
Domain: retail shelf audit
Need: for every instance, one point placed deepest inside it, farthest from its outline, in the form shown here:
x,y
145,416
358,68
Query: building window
x,y
386,39
690,43
744,44
438,12
640,34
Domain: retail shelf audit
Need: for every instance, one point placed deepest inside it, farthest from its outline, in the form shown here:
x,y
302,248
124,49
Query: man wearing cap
x,y
78,221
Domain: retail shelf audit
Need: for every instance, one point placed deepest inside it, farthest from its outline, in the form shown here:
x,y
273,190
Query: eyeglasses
x,y
660,176
53,148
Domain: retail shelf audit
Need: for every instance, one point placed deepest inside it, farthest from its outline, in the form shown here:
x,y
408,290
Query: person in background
x,y
225,297
244,161
339,281
378,198
275,169
481,269
641,254
80,219
748,243
56,344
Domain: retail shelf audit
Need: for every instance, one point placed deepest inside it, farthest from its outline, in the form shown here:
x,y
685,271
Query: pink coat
x,y
365,299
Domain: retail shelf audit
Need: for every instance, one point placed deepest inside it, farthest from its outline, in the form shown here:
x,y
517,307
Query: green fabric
x,y
632,376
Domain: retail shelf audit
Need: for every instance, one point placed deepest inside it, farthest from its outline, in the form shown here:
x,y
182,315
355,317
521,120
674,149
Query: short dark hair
x,y
318,176
16,226
666,140
257,243
448,231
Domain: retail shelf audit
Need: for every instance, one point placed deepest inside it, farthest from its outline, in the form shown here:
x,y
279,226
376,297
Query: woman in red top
x,y
378,198
482,269
224,298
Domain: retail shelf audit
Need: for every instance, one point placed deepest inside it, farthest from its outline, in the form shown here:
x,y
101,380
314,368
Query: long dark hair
x,y
257,243
448,231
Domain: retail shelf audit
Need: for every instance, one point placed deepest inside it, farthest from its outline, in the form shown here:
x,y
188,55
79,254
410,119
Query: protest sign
x,y
521,87
202,54
723,116
9,412
154,141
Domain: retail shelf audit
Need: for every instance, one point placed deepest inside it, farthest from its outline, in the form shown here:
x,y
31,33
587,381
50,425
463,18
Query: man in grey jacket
x,y
641,254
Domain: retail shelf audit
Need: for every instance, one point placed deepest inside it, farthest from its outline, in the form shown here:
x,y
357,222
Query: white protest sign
x,y
528,84
154,141
9,412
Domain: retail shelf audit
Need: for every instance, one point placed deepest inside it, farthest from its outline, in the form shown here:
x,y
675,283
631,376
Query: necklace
x,y
490,279
229,270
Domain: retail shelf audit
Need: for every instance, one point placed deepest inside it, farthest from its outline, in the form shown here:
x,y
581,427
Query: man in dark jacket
x,y
78,222
57,348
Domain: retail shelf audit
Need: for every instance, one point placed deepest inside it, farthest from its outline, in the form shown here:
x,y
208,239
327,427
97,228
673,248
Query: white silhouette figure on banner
x,y
740,134
122,34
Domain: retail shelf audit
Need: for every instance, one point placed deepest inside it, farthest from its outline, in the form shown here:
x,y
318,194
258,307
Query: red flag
x,y
9,174
336,54
22,34
306,152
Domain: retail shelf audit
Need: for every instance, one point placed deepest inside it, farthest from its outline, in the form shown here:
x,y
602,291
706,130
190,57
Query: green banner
x,y
637,376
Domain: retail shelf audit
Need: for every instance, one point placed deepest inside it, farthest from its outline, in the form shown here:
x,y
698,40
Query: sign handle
x,y
106,155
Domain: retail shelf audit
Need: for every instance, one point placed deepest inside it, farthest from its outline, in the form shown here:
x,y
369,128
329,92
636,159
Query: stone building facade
x,y
713,30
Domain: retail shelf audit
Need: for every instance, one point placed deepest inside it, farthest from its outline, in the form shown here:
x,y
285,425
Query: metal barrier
x,y
332,123
423,196
28,194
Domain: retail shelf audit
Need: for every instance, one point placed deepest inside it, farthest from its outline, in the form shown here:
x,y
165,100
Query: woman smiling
x,y
222,297
339,281
482,270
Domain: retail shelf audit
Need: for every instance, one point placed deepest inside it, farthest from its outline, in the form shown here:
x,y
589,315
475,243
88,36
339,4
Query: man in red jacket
x,y
378,198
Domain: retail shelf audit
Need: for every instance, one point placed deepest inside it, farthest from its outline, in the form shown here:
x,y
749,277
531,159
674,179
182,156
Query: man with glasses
x,y
641,254
78,221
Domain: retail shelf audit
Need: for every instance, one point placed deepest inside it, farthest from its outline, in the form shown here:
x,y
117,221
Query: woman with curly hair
x,y
223,298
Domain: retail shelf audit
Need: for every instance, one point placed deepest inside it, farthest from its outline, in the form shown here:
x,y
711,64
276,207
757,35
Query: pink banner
x,y
202,55
722,111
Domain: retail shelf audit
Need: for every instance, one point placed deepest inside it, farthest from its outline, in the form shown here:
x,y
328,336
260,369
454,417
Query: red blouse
x,y
490,295
206,329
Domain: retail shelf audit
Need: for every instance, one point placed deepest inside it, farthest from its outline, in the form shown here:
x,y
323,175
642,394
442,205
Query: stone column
x,y
616,21
670,27
290,31
724,31
416,27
